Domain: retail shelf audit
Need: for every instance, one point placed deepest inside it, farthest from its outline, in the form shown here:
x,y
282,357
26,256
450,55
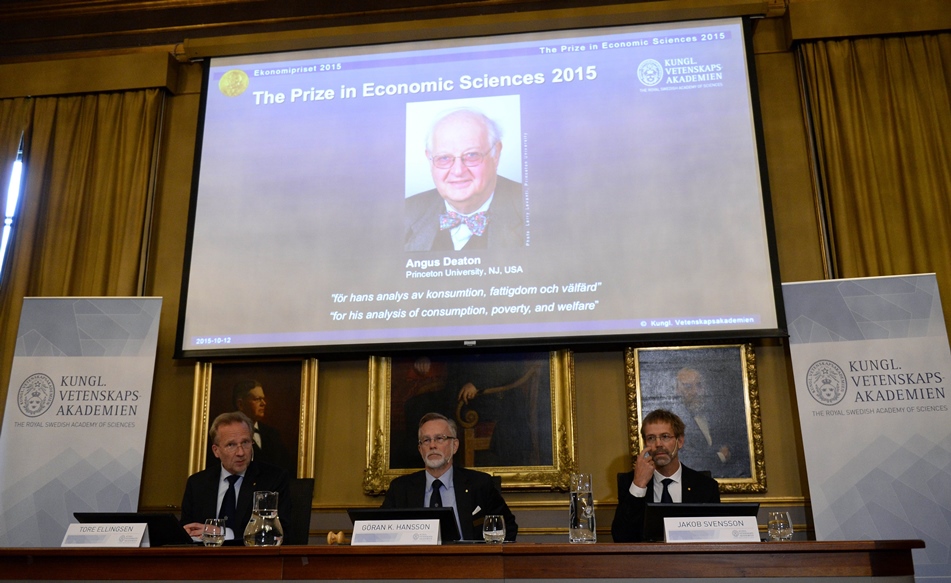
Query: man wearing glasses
x,y
472,207
248,397
658,476
226,490
470,494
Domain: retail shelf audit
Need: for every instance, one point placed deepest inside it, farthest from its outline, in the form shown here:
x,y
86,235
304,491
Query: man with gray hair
x,y
471,494
471,207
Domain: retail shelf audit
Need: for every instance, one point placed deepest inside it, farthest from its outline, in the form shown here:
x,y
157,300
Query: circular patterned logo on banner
x,y
826,382
650,72
36,395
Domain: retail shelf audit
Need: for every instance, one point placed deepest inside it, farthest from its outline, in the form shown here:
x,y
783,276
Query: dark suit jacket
x,y
473,490
505,227
201,495
628,524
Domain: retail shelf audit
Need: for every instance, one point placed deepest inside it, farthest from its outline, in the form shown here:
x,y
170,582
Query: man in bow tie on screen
x,y
470,494
472,207
658,476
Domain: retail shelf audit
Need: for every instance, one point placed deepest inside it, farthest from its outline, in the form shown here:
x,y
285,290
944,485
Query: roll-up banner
x,y
73,434
872,371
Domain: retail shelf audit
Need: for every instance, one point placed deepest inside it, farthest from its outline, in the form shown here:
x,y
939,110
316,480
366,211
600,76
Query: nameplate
x,y
396,532
720,529
106,535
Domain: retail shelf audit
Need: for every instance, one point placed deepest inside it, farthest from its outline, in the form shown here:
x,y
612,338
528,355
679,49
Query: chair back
x,y
297,527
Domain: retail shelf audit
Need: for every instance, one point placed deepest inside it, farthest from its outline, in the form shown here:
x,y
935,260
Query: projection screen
x,y
625,183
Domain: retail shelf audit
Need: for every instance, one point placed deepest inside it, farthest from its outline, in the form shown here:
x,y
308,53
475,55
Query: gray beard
x,y
435,464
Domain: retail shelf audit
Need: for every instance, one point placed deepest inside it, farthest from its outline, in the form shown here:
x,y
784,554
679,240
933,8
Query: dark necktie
x,y
230,502
665,495
476,222
435,501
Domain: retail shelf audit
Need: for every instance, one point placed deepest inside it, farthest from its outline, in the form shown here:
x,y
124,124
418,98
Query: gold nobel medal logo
x,y
233,83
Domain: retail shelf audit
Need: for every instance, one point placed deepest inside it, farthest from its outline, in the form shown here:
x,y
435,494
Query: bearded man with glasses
x,y
471,494
227,490
471,207
658,476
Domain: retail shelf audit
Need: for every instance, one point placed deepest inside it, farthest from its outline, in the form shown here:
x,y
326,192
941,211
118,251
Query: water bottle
x,y
581,527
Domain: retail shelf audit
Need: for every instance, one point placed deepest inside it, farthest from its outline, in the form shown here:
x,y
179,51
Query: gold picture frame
x,y
291,389
550,442
714,390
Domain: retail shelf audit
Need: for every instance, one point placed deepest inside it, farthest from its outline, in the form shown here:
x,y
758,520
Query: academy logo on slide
x,y
826,382
36,395
650,72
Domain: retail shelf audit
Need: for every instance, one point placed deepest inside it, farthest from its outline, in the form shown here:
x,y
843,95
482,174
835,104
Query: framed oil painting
x,y
514,412
279,395
713,390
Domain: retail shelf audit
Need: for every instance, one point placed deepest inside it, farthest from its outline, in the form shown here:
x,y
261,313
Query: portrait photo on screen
x,y
464,187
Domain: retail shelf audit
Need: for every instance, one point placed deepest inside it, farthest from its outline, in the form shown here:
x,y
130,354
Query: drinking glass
x,y
213,534
493,529
779,526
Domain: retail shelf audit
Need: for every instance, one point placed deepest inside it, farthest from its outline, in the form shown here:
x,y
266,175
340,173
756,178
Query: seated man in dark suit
x,y
471,494
226,490
658,476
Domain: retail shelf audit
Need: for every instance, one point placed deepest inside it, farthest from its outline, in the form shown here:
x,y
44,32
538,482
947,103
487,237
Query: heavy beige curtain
x,y
83,214
881,109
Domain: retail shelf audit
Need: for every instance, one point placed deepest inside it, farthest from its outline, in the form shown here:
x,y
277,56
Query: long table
x,y
801,561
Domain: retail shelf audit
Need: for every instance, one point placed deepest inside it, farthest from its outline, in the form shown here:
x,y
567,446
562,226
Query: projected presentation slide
x,y
571,184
